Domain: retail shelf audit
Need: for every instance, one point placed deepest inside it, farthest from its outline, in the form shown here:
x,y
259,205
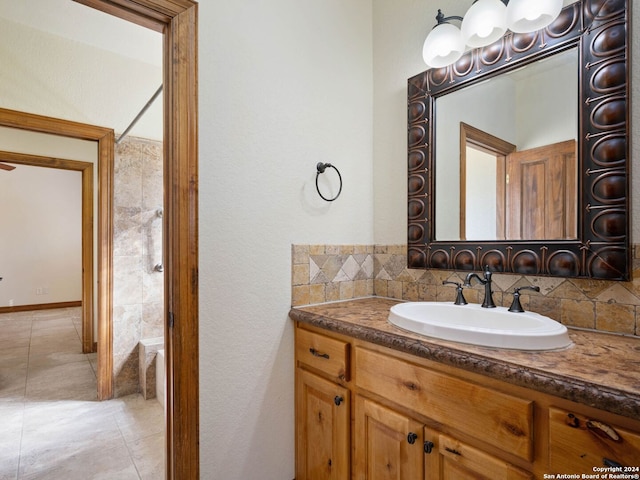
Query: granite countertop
x,y
600,370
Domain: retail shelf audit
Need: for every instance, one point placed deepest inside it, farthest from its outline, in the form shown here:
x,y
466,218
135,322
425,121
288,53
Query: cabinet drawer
x,y
461,461
495,418
326,354
578,443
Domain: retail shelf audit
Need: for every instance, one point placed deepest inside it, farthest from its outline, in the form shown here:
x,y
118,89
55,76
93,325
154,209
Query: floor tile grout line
x,y
21,438
127,446
133,460
24,400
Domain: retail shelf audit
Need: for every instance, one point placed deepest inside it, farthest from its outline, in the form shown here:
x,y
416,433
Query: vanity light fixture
x,y
484,23
444,44
528,16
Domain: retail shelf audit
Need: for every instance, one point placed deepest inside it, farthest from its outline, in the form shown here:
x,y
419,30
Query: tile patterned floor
x,y
51,425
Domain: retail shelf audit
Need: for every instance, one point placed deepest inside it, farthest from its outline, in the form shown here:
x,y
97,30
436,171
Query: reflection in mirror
x,y
505,155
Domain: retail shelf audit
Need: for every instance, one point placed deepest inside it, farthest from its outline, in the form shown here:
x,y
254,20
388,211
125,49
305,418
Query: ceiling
x,y
88,94
83,24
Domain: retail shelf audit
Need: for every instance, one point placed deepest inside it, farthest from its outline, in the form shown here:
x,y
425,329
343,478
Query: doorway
x,y
178,21
482,156
105,140
86,170
536,186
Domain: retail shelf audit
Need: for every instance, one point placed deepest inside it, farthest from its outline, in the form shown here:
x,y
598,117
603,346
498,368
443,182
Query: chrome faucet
x,y
486,281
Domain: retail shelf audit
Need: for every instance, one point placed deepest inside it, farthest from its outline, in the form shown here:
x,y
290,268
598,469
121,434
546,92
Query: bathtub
x,y
160,380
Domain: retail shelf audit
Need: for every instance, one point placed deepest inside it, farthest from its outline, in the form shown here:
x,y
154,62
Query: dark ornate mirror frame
x,y
600,30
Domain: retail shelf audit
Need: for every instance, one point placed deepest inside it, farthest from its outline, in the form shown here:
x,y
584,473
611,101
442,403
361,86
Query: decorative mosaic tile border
x,y
323,273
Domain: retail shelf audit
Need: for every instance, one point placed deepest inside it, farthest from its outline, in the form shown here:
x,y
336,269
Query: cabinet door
x,y
322,428
388,445
578,443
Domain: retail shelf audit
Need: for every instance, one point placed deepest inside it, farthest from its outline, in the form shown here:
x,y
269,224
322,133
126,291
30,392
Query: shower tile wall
x,y
138,295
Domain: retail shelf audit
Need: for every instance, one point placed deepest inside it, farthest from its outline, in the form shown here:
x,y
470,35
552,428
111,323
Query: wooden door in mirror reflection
x,y
541,192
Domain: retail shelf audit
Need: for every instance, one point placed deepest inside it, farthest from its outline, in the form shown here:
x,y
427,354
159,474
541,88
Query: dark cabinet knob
x,y
428,446
412,437
338,400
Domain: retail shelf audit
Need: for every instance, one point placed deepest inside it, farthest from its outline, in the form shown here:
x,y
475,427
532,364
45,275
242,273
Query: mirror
x,y
463,212
495,138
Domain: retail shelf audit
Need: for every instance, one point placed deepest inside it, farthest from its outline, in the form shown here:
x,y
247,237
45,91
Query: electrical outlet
x,y
45,290
38,291
11,302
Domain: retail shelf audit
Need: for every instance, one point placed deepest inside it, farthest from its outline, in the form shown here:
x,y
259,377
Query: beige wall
x,y
283,85
40,236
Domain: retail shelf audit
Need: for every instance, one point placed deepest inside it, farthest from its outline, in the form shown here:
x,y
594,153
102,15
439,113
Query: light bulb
x,y
443,46
525,16
484,23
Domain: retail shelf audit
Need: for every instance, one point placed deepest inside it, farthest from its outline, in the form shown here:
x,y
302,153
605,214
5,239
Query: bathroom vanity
x,y
374,401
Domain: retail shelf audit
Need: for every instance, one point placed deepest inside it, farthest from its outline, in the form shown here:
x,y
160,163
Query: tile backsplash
x,y
325,273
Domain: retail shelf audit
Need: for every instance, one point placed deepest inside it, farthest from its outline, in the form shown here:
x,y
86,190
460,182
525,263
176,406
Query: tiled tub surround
x,y
599,370
325,273
138,290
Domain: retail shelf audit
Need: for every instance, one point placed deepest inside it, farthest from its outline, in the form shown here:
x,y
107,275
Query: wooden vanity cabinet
x,y
494,418
323,407
392,445
403,417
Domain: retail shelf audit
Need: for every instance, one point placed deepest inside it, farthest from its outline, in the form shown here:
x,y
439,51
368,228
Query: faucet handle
x,y
516,306
460,300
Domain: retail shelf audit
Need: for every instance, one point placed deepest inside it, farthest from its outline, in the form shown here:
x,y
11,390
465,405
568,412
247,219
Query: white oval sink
x,y
488,327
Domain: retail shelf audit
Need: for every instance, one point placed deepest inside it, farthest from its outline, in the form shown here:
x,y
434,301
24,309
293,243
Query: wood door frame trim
x,y
487,143
106,140
86,170
178,21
